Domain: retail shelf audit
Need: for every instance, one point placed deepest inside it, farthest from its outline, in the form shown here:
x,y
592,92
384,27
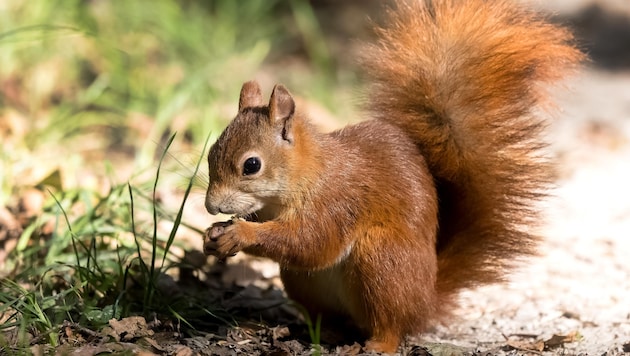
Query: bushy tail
x,y
466,80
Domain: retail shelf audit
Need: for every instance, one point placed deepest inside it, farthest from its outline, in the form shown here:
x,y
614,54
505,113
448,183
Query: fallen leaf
x,y
279,332
351,350
559,340
129,328
534,346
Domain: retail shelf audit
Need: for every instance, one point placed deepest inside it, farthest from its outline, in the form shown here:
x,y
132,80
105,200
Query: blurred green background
x,y
86,82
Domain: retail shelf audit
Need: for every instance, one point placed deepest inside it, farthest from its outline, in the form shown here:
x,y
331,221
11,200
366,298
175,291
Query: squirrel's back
x,y
466,80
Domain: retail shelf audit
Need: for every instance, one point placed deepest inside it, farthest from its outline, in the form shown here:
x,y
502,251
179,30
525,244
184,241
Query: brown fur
x,y
386,220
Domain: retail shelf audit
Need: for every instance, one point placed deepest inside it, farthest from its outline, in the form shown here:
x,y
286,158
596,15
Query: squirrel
x,y
384,222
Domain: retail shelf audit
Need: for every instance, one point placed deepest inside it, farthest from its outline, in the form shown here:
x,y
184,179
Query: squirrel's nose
x,y
211,207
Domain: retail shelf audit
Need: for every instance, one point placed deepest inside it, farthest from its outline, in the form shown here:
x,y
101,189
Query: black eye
x,y
251,166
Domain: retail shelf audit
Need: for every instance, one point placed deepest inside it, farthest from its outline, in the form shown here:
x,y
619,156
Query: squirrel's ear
x,y
251,96
281,108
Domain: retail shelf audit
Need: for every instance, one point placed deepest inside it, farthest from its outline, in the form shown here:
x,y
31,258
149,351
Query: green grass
x,y
93,69
126,74
91,94
106,262
314,331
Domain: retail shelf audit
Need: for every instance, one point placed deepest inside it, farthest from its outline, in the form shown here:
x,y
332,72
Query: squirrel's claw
x,y
221,240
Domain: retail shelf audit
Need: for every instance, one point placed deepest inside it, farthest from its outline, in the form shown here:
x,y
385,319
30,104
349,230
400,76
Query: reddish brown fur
x,y
386,220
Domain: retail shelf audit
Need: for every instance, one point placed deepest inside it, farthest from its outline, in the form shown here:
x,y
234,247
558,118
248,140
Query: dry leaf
x,y
279,332
559,340
129,328
535,346
351,350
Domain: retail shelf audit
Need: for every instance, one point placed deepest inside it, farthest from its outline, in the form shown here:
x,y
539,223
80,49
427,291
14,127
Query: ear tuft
x,y
281,109
281,104
251,96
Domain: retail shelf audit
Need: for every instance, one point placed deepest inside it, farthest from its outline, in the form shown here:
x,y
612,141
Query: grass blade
x,y
178,218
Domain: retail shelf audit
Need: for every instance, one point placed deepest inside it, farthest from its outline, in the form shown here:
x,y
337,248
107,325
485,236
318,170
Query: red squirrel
x,y
384,221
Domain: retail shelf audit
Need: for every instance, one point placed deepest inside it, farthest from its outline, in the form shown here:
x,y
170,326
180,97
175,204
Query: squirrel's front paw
x,y
223,239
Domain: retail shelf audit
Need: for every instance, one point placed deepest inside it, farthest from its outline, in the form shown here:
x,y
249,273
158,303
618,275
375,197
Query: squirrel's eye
x,y
251,166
